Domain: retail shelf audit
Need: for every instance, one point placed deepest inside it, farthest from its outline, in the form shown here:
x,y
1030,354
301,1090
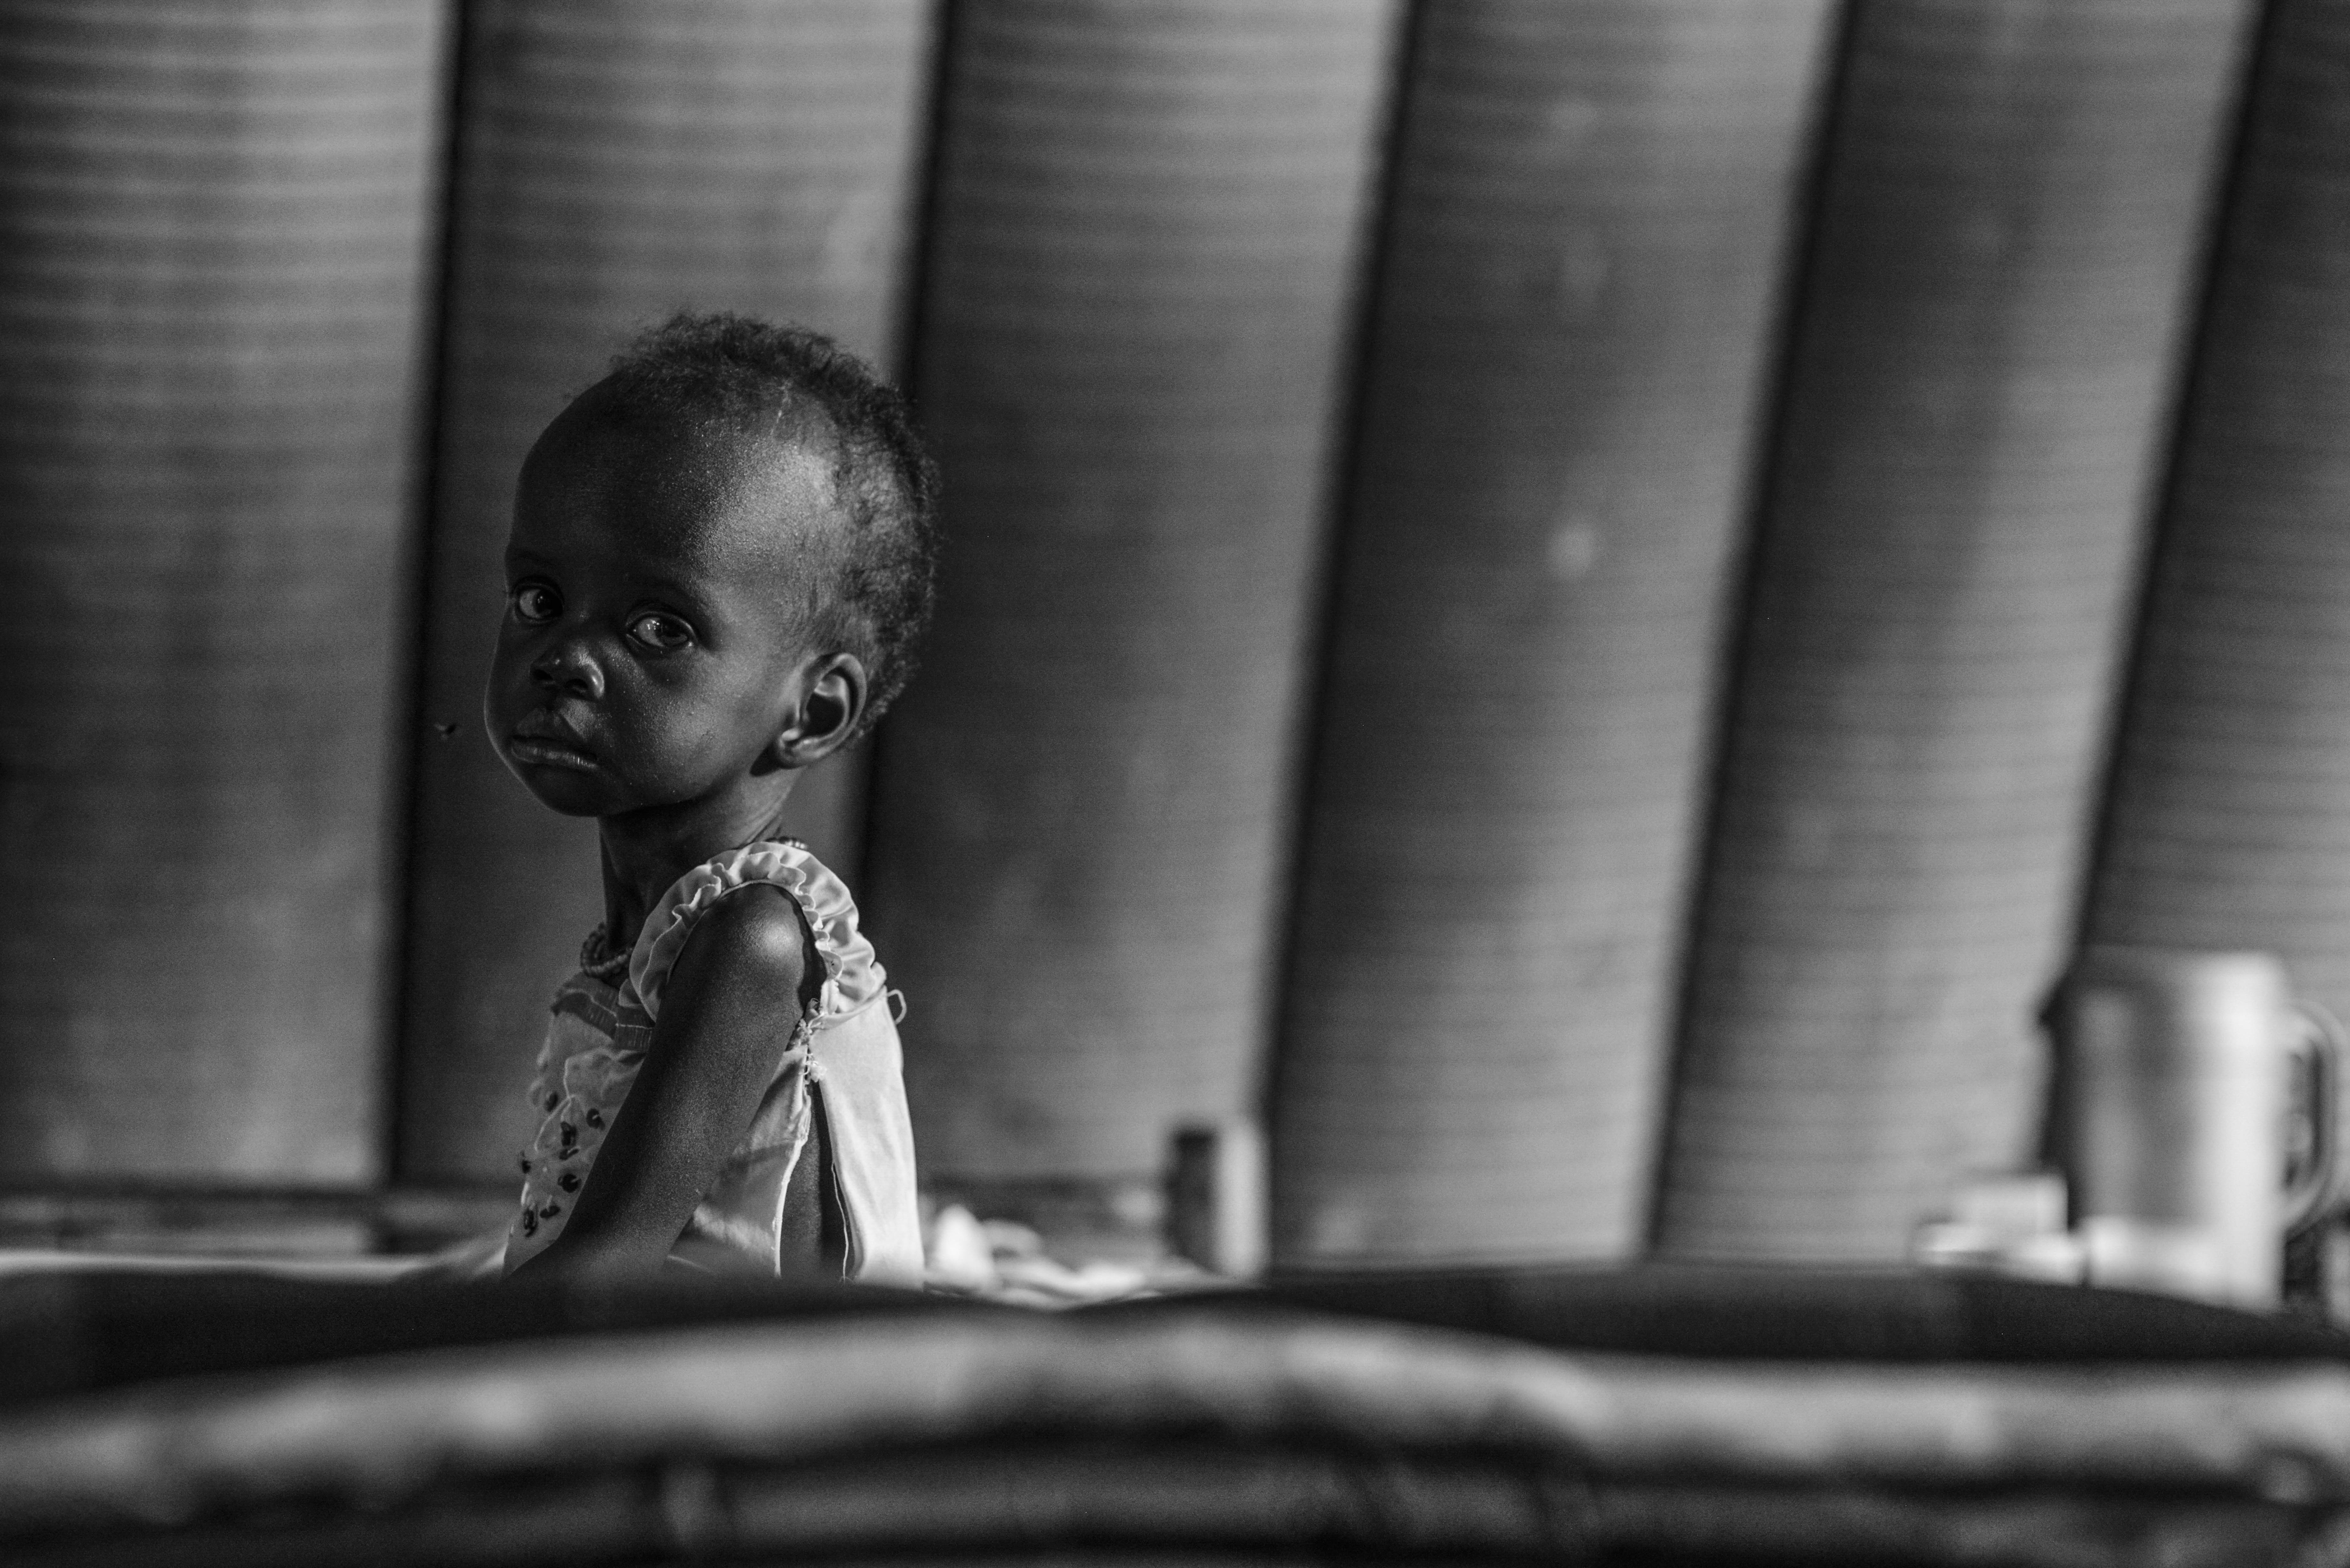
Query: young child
x,y
721,560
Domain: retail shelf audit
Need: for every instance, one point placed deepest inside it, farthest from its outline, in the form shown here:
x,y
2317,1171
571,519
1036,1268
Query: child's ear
x,y
832,699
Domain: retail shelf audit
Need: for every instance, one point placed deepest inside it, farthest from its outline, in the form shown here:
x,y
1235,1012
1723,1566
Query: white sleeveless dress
x,y
842,1061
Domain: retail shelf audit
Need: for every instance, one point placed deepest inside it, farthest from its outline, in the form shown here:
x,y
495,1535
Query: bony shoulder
x,y
755,931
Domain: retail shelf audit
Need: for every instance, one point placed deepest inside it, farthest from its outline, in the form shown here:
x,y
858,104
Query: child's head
x,y
720,564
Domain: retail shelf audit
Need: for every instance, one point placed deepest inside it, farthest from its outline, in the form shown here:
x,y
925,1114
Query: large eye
x,y
534,604
661,633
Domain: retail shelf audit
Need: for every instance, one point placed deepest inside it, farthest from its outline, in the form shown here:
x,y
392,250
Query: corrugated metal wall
x,y
216,226
1144,231
2228,824
1539,593
2009,231
1564,371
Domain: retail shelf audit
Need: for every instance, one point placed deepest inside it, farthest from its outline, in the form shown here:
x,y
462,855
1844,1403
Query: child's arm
x,y
728,1011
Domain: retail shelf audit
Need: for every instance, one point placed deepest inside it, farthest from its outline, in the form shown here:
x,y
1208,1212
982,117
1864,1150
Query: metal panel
x,y
1585,243
2229,824
2011,219
1146,228
215,219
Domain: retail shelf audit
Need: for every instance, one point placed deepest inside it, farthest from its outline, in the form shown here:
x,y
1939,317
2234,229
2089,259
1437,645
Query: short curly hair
x,y
744,372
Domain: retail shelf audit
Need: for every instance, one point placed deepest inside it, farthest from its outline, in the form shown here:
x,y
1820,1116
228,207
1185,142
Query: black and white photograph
x,y
1175,783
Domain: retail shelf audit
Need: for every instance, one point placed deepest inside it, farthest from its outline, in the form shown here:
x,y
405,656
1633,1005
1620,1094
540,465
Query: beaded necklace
x,y
609,967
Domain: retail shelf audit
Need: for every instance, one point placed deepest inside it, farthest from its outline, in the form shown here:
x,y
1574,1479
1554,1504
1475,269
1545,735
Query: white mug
x,y
2193,1112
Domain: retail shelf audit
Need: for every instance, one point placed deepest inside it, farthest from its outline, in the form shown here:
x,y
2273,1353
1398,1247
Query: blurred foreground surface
x,y
227,1414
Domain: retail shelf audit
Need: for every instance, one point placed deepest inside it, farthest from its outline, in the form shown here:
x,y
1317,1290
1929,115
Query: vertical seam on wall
x,y
407,759
1742,580
2156,522
914,267
1342,485
923,196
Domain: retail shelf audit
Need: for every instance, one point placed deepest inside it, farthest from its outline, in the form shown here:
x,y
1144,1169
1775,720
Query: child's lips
x,y
551,754
539,745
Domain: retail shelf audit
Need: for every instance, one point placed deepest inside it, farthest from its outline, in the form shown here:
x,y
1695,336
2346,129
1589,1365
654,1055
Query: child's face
x,y
652,649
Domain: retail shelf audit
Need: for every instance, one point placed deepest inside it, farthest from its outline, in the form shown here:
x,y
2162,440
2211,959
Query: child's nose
x,y
570,669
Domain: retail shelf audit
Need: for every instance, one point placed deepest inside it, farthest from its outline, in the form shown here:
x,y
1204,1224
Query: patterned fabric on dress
x,y
846,1050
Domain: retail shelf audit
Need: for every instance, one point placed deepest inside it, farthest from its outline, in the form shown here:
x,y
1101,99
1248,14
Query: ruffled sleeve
x,y
853,977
